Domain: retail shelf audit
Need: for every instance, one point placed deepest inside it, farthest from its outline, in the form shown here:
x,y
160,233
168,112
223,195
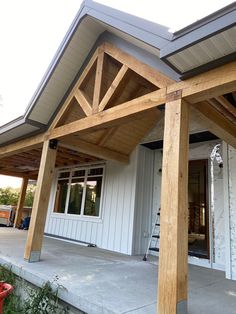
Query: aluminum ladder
x,y
153,243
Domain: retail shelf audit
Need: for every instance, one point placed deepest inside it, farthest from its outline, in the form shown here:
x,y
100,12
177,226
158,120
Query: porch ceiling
x,y
26,164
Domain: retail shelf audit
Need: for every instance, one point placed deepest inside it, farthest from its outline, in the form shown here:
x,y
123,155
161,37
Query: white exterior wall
x,y
201,151
130,202
114,231
143,200
232,212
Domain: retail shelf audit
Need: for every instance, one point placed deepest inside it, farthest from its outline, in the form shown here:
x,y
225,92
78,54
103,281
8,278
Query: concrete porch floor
x,y
99,281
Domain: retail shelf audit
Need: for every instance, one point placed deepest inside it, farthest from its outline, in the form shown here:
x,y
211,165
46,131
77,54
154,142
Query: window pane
x,y
60,201
93,196
78,173
76,193
95,171
64,175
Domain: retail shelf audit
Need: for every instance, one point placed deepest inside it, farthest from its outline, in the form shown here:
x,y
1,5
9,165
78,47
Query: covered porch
x,y
103,114
100,281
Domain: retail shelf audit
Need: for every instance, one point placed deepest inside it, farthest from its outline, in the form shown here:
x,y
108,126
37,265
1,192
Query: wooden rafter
x,y
98,80
227,105
217,123
221,109
71,95
117,80
142,69
83,102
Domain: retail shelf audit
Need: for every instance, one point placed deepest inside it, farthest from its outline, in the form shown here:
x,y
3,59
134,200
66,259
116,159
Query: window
x,y
93,196
79,192
61,194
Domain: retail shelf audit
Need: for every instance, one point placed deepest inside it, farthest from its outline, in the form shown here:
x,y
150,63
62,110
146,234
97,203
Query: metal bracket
x,y
53,144
174,95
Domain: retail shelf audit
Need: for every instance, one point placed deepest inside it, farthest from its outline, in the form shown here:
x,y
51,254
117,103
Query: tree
x,y
8,196
29,198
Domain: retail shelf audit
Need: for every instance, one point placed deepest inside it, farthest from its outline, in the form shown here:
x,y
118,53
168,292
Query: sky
x,y
31,31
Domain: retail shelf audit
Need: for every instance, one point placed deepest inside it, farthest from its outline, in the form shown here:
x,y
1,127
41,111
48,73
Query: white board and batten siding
x,y
216,203
131,198
143,200
148,201
114,229
232,211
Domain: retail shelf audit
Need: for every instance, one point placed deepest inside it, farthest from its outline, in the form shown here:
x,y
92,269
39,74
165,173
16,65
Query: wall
x,y
143,200
114,230
232,210
130,203
201,151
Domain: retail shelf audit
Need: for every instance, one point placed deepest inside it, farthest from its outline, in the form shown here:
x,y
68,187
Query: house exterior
x,y
124,111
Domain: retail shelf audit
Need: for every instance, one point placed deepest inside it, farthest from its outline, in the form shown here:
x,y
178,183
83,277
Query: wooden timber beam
x,y
83,102
22,145
117,115
114,85
208,85
216,123
158,79
222,110
173,259
227,105
40,205
11,173
94,150
21,201
204,86
98,81
71,95
213,83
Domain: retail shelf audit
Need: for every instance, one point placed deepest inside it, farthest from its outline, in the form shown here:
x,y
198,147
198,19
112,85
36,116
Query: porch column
x,y
173,262
41,199
21,201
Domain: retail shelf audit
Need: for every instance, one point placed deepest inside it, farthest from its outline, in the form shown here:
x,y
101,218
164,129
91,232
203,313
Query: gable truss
x,y
205,92
110,78
127,67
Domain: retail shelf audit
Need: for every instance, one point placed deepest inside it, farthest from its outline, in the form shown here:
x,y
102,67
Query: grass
x,y
27,300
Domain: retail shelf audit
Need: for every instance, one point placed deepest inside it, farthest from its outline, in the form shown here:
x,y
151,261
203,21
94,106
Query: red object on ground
x,y
5,289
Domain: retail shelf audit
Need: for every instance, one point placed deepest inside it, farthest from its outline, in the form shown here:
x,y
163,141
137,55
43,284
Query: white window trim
x,y
81,217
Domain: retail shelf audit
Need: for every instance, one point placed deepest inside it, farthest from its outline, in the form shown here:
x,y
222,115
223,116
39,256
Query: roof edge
x,y
205,20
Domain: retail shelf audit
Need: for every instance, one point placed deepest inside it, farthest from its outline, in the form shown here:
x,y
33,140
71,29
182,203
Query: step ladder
x,y
153,243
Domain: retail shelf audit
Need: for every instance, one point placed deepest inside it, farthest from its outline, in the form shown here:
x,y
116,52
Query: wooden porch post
x,y
21,201
173,261
41,199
